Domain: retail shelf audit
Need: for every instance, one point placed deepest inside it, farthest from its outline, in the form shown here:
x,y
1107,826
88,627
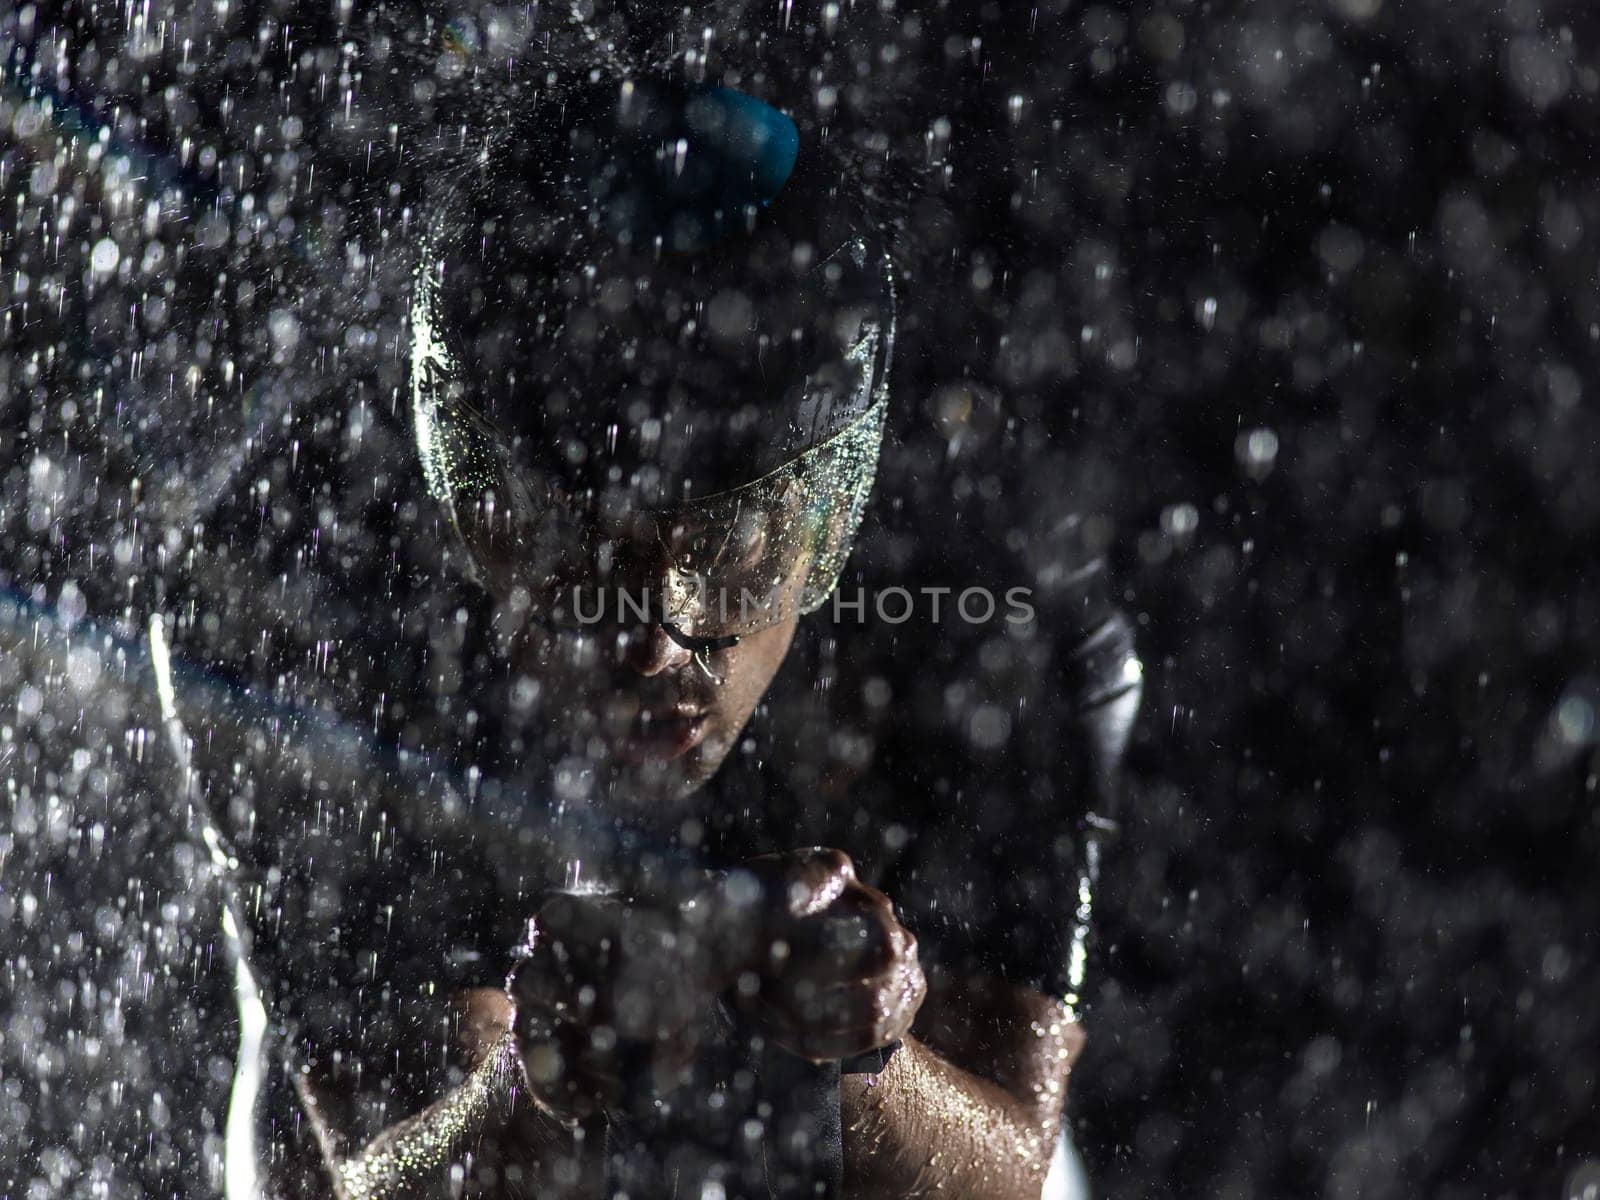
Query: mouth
x,y
665,734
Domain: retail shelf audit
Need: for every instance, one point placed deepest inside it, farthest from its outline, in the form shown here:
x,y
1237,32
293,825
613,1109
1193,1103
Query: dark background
x,y
1295,306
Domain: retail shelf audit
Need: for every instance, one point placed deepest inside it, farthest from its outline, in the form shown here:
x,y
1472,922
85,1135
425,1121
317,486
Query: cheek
x,y
750,666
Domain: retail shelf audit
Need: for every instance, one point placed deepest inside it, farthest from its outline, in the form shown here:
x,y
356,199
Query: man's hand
x,y
607,981
814,958
833,973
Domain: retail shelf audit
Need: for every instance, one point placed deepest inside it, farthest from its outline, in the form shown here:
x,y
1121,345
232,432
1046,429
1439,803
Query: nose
x,y
649,651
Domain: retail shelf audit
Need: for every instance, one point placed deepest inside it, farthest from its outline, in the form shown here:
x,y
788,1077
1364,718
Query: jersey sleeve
x,y
1020,793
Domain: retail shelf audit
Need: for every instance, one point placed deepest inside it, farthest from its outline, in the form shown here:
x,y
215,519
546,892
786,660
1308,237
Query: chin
x,y
669,782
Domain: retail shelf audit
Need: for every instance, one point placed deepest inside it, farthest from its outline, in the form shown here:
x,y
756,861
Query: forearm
x,y
925,1127
488,1117
414,1158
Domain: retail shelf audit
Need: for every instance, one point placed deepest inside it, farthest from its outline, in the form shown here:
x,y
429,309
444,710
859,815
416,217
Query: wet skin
x,y
647,718
637,707
969,1106
666,722
814,958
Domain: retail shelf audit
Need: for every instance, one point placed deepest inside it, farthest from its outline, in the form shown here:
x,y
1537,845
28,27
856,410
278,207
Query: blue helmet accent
x,y
683,168
750,130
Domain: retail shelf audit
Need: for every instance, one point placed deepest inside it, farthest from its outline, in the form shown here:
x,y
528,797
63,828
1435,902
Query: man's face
x,y
627,710
652,719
